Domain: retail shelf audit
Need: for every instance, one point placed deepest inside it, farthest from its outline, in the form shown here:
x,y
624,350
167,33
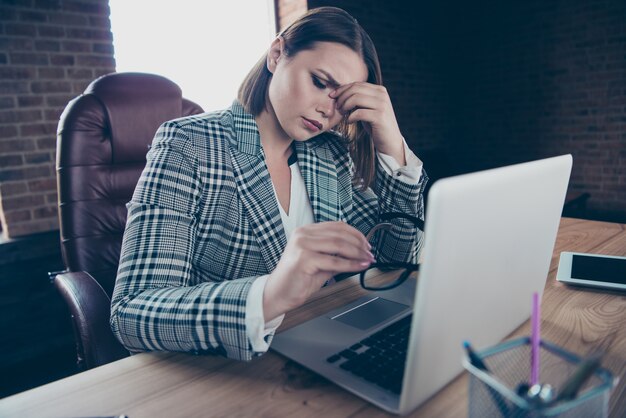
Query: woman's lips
x,y
312,124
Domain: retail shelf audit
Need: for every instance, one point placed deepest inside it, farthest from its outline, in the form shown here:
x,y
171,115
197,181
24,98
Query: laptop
x,y
489,238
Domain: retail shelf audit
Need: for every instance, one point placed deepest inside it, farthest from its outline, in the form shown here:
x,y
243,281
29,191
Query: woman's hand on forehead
x,y
371,104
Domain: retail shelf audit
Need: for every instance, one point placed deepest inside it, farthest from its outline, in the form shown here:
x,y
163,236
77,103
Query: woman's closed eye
x,y
317,82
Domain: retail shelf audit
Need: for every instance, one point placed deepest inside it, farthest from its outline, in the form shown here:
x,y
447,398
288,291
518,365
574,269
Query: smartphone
x,y
606,271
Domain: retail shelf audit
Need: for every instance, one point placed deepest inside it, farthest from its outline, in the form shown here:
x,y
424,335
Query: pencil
x,y
535,339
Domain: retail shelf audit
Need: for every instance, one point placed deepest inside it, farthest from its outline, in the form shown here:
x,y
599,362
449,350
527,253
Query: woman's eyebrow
x,y
330,78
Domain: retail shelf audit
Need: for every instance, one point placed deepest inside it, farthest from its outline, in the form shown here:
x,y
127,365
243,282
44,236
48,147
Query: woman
x,y
240,215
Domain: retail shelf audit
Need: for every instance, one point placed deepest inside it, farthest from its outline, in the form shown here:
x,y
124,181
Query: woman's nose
x,y
327,106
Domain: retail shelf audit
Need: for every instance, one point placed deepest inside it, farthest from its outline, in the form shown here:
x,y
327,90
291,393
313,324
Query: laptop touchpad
x,y
370,313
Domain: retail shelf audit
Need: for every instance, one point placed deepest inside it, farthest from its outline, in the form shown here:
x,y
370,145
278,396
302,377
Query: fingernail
x,y
365,264
333,93
371,256
369,246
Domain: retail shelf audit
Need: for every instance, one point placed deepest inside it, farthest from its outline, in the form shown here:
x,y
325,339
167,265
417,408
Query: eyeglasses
x,y
376,234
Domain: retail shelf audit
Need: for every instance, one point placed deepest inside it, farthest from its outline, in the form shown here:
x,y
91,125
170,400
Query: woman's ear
x,y
277,50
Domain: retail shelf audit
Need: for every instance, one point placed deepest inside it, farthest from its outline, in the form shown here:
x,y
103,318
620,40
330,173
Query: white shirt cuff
x,y
410,173
256,327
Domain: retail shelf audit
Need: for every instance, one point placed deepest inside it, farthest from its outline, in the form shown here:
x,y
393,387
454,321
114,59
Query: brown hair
x,y
324,24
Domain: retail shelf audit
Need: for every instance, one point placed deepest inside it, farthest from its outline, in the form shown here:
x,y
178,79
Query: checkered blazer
x,y
203,223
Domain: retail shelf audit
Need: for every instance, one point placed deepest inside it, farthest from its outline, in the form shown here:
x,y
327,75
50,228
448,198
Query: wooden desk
x,y
179,385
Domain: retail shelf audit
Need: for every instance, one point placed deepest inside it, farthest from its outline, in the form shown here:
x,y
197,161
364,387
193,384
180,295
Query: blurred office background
x,y
474,84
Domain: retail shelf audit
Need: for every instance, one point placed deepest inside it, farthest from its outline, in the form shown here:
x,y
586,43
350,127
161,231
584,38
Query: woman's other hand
x,y
313,255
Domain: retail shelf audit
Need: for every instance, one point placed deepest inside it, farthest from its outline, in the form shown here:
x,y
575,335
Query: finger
x,y
337,265
358,101
364,115
340,90
336,228
352,91
337,246
363,87
331,226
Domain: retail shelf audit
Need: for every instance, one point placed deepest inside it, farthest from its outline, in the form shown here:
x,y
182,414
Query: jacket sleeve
x,y
159,302
389,194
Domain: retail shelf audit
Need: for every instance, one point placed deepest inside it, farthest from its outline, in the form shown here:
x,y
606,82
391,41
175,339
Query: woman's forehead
x,y
339,61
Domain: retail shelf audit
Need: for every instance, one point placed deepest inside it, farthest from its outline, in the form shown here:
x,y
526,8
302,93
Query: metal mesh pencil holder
x,y
494,393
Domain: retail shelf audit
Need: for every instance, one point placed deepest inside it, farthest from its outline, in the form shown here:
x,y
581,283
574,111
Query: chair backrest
x,y
103,138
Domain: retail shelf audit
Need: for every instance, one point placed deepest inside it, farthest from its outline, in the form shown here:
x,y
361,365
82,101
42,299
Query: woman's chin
x,y
302,137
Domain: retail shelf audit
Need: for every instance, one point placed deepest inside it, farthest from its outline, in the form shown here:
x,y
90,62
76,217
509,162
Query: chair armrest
x,y
90,309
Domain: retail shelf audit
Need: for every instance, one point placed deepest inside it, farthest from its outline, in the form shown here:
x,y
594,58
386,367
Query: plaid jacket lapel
x,y
320,177
255,187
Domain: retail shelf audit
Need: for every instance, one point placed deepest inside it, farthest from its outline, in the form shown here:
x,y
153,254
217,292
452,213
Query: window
x,y
205,47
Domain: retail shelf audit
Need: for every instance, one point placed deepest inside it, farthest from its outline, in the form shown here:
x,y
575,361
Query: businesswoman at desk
x,y
241,214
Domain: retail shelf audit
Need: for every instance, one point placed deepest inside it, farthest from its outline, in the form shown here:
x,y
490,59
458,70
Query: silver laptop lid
x,y
488,244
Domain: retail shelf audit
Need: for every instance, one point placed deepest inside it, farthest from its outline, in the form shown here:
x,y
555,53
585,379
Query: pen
x,y
480,364
474,359
576,381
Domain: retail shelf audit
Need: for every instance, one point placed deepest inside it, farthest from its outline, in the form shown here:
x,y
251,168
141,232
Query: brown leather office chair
x,y
102,141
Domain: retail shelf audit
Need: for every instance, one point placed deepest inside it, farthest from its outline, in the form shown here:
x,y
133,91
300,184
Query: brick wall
x,y
49,51
545,78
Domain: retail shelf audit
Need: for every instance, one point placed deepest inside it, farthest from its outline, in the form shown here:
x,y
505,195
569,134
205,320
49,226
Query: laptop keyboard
x,y
380,357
